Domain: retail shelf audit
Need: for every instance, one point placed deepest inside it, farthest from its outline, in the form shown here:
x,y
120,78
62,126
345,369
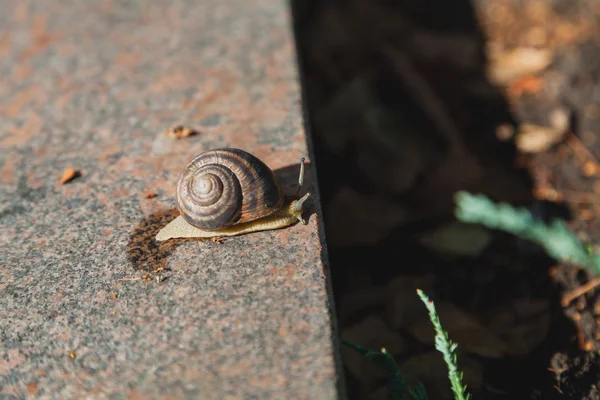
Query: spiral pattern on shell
x,y
224,187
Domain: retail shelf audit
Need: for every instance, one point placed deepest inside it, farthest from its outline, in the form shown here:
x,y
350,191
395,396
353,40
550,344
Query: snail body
x,y
229,192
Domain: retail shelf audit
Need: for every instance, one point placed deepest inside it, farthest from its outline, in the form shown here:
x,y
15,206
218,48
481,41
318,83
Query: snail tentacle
x,y
297,207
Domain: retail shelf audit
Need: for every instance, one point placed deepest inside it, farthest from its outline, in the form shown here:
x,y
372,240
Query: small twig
x,y
571,196
580,150
567,299
580,197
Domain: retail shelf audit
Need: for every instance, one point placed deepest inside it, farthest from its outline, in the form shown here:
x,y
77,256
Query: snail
x,y
230,192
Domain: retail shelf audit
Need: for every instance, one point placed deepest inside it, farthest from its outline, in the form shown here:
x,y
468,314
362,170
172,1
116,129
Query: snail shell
x,y
224,187
228,192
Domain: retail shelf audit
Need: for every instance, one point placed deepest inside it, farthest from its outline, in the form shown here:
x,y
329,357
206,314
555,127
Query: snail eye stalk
x,y
301,176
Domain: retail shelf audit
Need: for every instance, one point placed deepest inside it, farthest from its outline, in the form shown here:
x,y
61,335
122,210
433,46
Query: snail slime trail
x,y
230,192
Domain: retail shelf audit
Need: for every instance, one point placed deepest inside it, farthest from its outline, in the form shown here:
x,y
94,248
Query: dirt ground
x,y
409,102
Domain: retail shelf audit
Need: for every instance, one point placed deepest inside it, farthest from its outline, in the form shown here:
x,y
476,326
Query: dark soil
x,y
402,114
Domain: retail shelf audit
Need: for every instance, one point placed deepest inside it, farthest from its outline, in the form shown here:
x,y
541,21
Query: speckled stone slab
x,y
93,85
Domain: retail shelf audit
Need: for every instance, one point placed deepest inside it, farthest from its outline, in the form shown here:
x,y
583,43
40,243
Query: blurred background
x,y
409,102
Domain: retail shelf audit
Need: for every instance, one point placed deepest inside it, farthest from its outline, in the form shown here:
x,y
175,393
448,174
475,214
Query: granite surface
x,y
93,85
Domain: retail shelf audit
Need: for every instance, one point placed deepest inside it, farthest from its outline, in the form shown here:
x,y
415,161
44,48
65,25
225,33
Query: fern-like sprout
x,y
556,239
448,349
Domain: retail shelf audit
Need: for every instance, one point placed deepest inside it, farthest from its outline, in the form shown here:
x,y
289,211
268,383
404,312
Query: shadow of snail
x,y
146,253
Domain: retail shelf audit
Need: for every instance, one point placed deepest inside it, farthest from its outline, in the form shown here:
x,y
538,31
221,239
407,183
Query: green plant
x,y
445,346
398,389
556,239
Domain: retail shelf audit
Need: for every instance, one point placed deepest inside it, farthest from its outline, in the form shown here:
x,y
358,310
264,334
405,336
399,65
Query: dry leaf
x,y
560,118
180,132
590,168
533,138
69,175
507,66
457,238
150,195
